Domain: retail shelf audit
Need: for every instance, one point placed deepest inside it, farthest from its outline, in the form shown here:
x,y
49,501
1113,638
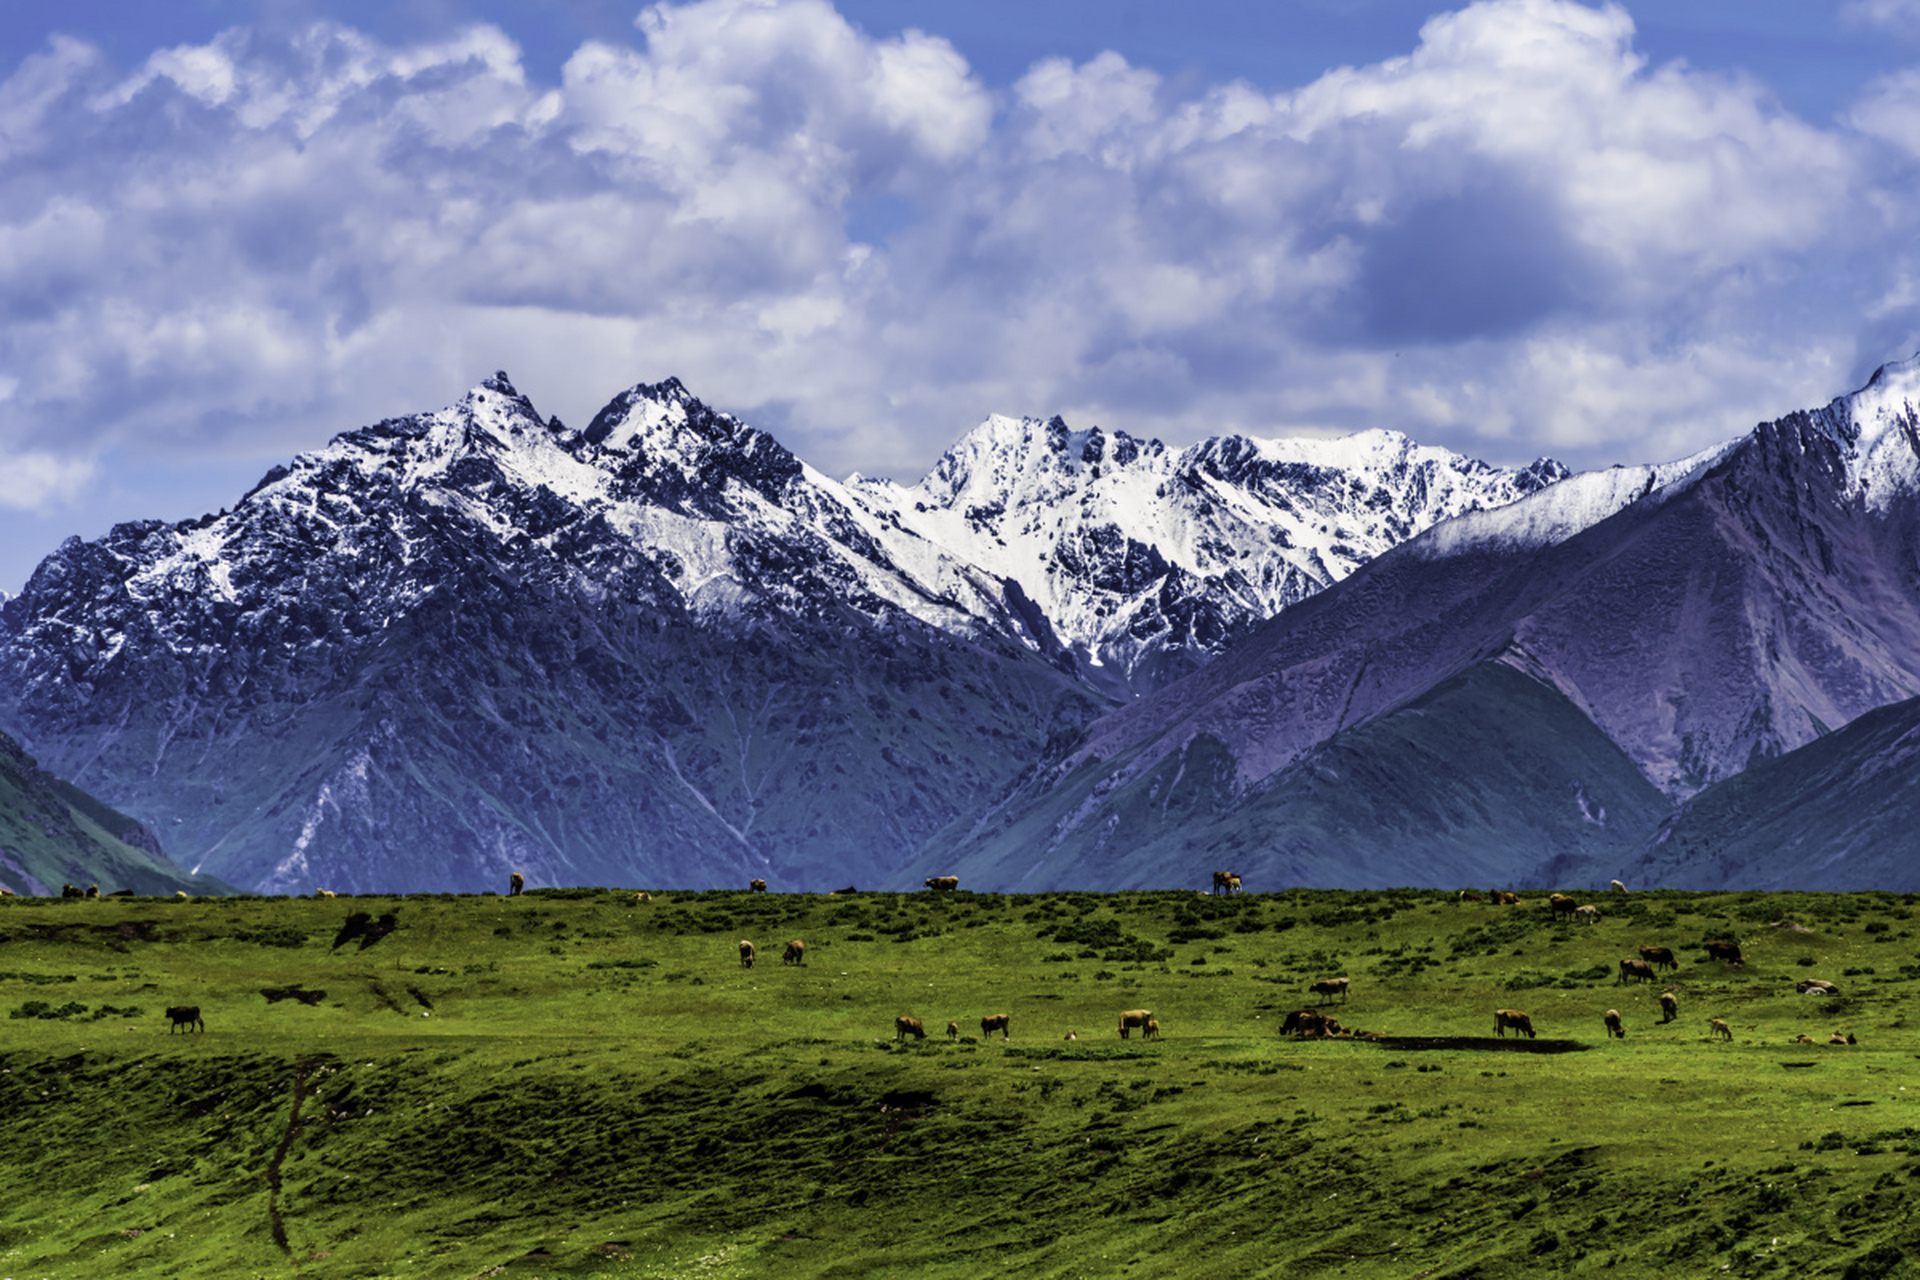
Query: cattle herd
x,y
1301,1024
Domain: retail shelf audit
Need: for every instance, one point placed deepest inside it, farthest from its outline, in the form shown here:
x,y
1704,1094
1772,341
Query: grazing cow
x,y
1501,898
1634,968
1816,987
953,1031
746,954
516,883
904,1026
1070,1036
756,886
1804,1039
1837,1038
1561,905
93,891
796,951
1614,1029
1618,887
943,884
185,1015
1659,957
1468,895
1669,1006
1308,1024
996,1022
642,896
1727,951
323,893
180,893
1504,1018
1718,1027
1588,914
1153,1029
1329,988
1134,1018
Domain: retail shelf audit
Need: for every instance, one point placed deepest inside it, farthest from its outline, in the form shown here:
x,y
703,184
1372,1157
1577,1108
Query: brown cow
x,y
642,896
1612,1019
904,1026
796,951
1468,895
1504,1018
756,886
746,954
996,1022
1727,951
1561,905
1718,1027
185,1015
1804,1039
1134,1018
1227,882
1329,988
1635,968
1153,1029
1303,1022
1659,957
1669,1006
943,884
1501,898
515,883
953,1031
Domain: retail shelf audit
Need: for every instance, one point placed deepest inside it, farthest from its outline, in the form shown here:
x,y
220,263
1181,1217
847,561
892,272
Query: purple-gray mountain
x,y
1521,696
660,650
663,650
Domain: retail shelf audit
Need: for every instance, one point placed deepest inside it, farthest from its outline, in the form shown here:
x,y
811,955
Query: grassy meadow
x,y
573,1083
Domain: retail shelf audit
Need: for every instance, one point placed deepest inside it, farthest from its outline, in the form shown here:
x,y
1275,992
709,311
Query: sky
x,y
230,229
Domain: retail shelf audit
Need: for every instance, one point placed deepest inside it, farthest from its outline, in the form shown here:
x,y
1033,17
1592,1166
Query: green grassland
x,y
573,1083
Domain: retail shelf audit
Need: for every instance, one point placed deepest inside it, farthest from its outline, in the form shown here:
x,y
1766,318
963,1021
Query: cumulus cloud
x,y
1520,237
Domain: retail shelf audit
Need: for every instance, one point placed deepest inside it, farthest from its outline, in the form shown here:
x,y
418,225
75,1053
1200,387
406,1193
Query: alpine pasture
x,y
577,1082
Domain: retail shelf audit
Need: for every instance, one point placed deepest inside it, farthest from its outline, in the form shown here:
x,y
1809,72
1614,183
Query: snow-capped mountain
x,y
660,648
459,644
1670,626
1146,562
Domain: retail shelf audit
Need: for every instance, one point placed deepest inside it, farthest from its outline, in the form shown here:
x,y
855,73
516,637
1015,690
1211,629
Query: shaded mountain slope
x,y
1842,811
53,834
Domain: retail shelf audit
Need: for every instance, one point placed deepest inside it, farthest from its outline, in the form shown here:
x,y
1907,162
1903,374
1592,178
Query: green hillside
x,y
53,834
575,1083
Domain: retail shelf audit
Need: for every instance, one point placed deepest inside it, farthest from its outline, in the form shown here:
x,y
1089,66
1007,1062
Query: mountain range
x,y
1636,673
662,649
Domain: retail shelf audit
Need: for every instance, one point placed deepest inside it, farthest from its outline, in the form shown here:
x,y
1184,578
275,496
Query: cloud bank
x,y
1519,238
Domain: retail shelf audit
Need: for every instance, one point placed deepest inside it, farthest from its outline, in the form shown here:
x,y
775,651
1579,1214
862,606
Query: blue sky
x,y
1520,227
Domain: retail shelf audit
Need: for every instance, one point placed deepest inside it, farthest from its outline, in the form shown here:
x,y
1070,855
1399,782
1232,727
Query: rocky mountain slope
x,y
1689,621
659,649
1147,562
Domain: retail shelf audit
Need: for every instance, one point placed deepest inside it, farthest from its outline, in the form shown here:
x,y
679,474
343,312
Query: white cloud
x,y
1519,237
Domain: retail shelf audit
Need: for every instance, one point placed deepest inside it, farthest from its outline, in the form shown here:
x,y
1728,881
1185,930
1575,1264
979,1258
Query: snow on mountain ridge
x,y
1147,561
